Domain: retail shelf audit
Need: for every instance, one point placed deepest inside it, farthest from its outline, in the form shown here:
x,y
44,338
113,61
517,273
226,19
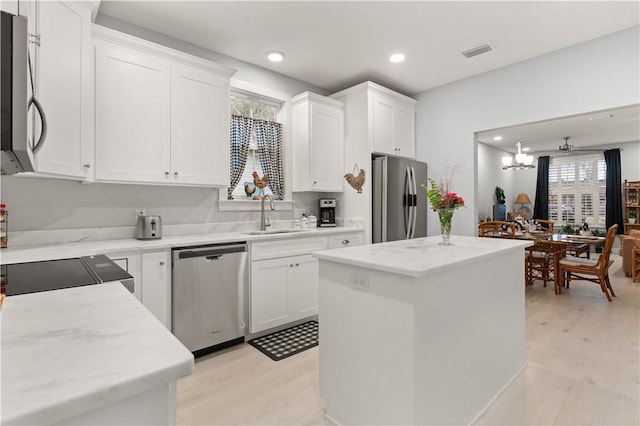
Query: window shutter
x,y
577,189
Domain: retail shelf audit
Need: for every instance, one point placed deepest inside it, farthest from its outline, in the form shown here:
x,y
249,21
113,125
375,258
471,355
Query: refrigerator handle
x,y
407,203
414,203
384,200
412,212
414,200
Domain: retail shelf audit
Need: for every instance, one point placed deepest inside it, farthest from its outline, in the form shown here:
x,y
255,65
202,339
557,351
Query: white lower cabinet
x,y
283,290
284,281
156,285
152,276
304,281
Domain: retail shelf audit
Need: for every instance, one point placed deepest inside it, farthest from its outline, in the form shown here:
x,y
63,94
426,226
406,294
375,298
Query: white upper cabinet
x,y
132,115
199,126
161,116
318,143
60,50
392,123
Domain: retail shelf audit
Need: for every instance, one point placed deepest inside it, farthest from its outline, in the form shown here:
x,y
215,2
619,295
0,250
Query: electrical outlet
x,y
140,212
360,281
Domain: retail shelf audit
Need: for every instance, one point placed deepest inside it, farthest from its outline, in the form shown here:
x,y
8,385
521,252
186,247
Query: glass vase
x,y
445,216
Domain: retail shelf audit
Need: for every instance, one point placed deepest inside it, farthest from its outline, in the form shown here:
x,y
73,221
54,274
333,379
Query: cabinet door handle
x,y
166,174
175,174
345,242
162,263
291,265
297,264
87,166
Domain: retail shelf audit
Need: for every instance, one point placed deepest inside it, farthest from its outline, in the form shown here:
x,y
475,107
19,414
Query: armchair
x,y
627,243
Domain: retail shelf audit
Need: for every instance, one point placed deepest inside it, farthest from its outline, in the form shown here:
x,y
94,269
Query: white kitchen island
x,y
87,355
412,332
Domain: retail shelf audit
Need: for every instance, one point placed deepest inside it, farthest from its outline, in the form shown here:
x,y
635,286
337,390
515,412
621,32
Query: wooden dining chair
x,y
497,229
540,261
595,270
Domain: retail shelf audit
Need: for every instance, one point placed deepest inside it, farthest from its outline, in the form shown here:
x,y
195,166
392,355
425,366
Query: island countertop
x,y
70,351
419,256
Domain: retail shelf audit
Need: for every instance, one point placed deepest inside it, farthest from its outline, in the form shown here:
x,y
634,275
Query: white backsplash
x,y
61,236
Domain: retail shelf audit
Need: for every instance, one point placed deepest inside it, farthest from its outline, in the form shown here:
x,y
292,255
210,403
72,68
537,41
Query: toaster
x,y
149,228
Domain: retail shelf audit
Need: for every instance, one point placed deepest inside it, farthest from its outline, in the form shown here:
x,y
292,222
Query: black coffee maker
x,y
327,212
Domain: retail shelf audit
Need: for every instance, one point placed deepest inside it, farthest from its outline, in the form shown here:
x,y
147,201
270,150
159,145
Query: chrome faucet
x,y
264,222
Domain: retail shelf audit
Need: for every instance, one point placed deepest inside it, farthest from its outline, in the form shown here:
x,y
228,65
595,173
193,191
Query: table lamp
x,y
522,199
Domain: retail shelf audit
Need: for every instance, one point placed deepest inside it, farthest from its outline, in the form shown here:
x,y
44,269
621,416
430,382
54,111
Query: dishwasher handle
x,y
209,252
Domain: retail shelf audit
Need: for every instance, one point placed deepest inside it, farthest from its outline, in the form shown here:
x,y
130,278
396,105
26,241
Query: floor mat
x,y
287,342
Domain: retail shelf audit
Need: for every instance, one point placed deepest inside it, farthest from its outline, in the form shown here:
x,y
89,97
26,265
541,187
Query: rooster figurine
x,y
260,184
356,182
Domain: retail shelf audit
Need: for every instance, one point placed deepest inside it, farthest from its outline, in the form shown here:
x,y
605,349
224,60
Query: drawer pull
x,y
161,263
345,242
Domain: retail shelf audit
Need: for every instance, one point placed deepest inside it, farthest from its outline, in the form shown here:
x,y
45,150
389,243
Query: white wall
x,y
490,175
591,76
630,158
46,204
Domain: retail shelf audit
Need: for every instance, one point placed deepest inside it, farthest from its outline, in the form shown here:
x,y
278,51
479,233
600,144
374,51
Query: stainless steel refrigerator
x,y
399,202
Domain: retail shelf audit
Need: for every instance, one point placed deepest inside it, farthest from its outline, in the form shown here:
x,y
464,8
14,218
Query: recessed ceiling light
x,y
396,57
497,138
275,56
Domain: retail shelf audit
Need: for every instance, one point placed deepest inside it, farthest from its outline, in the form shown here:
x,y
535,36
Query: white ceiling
x,y
336,44
599,128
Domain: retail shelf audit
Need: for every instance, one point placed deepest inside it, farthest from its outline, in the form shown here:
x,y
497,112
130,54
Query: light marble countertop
x,y
35,253
420,256
67,352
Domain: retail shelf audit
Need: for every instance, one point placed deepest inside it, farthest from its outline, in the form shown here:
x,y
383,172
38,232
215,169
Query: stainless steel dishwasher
x,y
208,304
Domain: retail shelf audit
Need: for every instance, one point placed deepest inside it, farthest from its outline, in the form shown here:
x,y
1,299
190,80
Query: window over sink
x,y
254,107
256,148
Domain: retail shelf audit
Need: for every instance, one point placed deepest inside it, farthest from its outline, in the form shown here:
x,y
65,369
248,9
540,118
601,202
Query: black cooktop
x,y
32,277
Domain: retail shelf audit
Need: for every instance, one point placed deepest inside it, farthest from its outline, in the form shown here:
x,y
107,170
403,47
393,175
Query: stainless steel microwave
x,y
14,102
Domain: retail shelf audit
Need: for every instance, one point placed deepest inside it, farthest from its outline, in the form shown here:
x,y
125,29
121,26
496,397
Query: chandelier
x,y
522,161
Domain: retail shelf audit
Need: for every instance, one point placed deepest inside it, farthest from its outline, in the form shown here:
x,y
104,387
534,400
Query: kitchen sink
x,y
273,231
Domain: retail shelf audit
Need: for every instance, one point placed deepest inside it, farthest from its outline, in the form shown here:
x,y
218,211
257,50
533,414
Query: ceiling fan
x,y
566,148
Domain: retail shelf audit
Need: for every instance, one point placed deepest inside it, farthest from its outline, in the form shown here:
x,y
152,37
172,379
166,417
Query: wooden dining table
x,y
558,246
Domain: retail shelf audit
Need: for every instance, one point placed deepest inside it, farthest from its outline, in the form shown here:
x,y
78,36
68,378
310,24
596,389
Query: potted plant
x,y
499,209
632,216
500,195
567,229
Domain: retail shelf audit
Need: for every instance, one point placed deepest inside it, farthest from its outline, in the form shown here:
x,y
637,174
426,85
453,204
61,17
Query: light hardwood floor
x,y
583,369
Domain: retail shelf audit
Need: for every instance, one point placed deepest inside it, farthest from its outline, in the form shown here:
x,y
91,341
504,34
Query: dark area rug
x,y
287,342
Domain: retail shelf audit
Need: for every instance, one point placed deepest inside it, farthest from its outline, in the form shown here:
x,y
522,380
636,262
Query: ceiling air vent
x,y
478,50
